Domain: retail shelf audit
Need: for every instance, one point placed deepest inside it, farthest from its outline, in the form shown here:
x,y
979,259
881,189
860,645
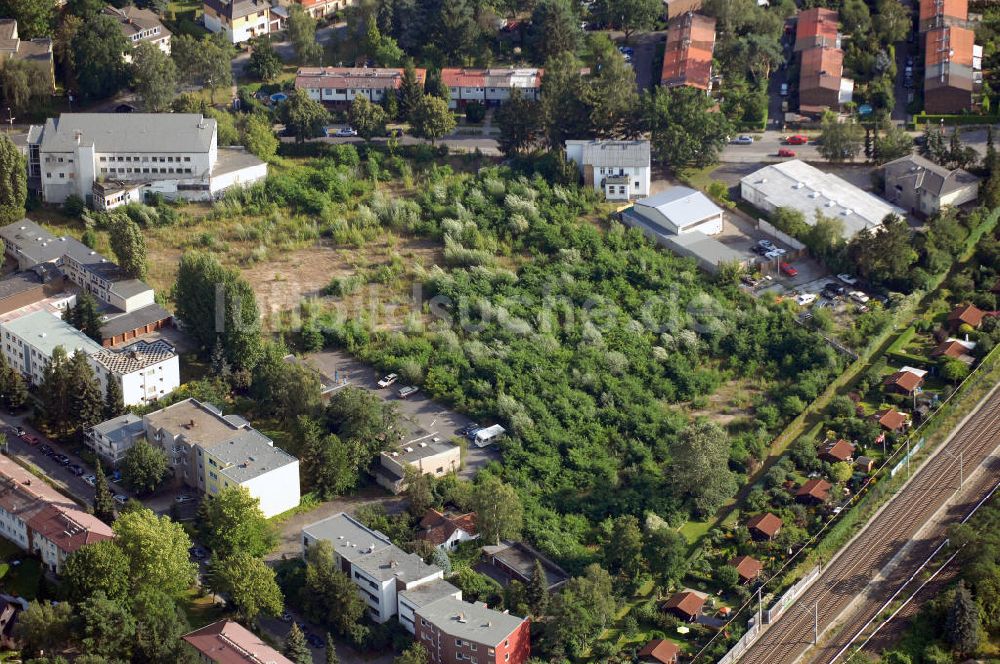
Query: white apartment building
x,y
40,520
174,154
381,570
210,451
146,371
342,84
490,86
618,169
139,25
425,456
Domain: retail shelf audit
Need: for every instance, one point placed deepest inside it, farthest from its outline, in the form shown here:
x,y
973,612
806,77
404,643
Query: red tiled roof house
x,y
340,85
447,531
659,651
764,526
814,492
966,314
841,450
891,420
905,381
228,642
686,605
748,568
688,56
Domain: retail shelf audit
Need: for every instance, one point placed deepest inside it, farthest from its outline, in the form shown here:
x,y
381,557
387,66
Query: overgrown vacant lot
x,y
600,353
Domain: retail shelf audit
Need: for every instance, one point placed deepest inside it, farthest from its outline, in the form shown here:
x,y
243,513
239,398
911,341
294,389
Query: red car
x,y
788,270
797,139
30,439
785,152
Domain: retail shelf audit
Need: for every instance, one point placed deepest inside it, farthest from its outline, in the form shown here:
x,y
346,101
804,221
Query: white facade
x,y
618,169
341,85
145,371
277,490
490,86
173,153
30,340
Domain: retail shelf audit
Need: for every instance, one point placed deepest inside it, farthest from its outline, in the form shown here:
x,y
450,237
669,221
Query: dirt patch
x,y
284,281
733,400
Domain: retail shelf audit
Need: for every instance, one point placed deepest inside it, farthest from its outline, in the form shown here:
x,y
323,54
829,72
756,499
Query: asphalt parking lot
x,y
425,417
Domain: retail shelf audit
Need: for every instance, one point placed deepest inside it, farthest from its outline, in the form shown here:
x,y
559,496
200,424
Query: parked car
x,y
286,617
408,391
788,270
743,139
767,244
77,469
91,480
773,253
847,279
45,449
797,139
183,498
785,152
805,298
859,297
20,431
388,380
30,439
834,288
464,431
116,476
120,499
345,132
784,89
760,251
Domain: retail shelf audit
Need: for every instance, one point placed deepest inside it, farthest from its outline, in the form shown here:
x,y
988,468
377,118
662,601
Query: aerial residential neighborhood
x,y
499,331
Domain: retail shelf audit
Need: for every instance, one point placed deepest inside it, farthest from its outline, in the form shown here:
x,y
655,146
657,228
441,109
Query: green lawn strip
x,y
307,503
200,609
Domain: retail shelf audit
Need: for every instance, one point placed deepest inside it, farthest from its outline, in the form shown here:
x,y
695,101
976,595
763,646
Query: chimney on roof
x,y
77,135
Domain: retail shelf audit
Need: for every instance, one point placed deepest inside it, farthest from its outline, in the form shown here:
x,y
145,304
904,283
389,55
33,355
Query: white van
x,y
488,435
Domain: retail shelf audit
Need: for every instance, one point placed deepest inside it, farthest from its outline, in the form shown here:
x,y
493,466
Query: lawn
x,y
21,580
200,609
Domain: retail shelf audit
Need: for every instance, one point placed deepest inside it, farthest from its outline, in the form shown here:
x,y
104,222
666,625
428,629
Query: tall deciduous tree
x,y
107,627
628,15
157,551
368,119
97,51
264,62
519,123
685,130
432,119
303,117
841,141
328,467
25,85
611,95
35,18
154,76
231,523
100,566
258,136
498,510
144,467
579,611
301,31
415,654
250,584
13,182
666,554
206,62
701,466
623,552
563,99
44,626
207,293
159,625
129,245
86,398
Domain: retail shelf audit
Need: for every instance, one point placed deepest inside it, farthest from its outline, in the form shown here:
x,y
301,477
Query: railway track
x,y
848,577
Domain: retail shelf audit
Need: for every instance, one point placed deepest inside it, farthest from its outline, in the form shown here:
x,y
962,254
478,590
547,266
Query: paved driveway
x,y
421,411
